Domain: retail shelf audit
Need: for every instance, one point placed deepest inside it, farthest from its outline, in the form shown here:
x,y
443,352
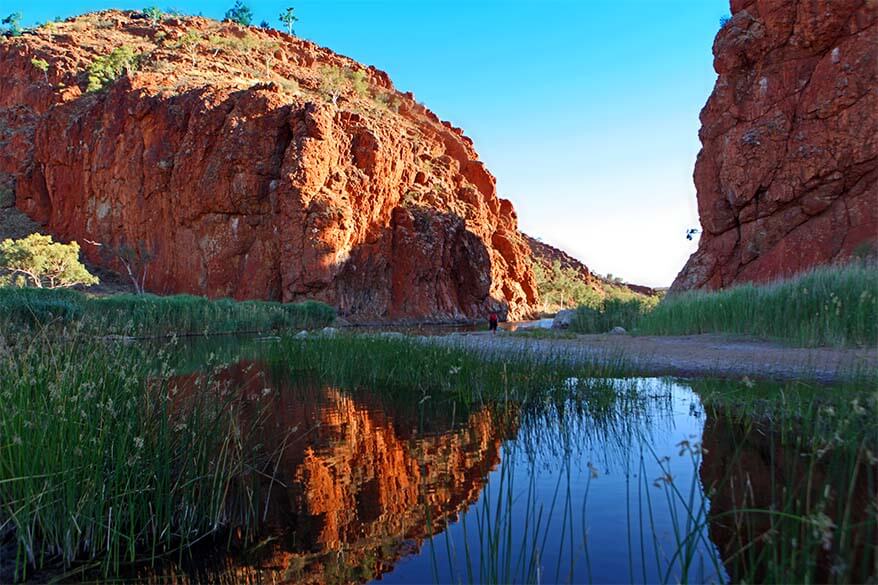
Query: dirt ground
x,y
691,355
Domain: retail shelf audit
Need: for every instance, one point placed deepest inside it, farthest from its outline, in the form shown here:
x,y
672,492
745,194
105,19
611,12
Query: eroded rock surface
x,y
223,154
788,174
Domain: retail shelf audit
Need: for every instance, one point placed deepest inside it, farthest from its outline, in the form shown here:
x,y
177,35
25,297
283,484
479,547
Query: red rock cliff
x,y
788,174
224,153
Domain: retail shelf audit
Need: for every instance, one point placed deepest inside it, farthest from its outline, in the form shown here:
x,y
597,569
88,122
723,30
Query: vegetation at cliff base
x,y
151,315
39,262
561,287
105,455
830,305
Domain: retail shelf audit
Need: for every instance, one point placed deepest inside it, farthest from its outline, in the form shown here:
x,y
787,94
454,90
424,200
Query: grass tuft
x,y
151,315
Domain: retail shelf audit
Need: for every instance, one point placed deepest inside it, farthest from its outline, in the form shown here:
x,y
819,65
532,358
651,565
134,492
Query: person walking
x,y
493,319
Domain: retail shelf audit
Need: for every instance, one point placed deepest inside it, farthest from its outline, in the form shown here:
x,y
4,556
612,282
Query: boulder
x,y
618,331
564,319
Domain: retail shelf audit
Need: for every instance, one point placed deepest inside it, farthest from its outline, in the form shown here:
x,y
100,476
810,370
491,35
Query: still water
x,y
373,489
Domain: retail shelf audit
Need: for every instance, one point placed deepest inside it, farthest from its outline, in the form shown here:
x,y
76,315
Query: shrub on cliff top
x,y
38,261
108,68
13,24
240,13
154,14
288,18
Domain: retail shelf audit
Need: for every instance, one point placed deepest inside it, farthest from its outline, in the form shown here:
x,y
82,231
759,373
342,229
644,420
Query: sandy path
x,y
692,355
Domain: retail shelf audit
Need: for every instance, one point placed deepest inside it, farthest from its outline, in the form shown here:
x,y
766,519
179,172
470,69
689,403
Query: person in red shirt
x,y
493,319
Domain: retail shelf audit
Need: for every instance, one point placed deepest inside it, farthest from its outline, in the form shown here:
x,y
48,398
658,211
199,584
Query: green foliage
x,y
106,69
41,65
149,315
288,18
154,14
105,455
388,100
38,261
190,43
618,308
408,369
234,44
240,13
812,445
13,24
831,305
563,287
335,81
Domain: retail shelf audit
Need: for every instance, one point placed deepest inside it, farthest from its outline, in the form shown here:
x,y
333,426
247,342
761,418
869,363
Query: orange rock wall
x,y
232,165
787,177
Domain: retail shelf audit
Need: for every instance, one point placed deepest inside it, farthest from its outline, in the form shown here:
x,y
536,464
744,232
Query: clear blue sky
x,y
585,110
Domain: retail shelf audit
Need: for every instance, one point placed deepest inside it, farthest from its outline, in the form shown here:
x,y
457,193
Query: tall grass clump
x,y
106,459
412,368
792,475
830,305
150,315
618,308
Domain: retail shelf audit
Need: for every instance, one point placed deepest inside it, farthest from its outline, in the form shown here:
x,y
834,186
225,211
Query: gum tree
x,y
288,18
240,13
13,24
38,261
154,14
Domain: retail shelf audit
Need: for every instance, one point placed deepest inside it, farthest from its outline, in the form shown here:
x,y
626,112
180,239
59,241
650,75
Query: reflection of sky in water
x,y
613,520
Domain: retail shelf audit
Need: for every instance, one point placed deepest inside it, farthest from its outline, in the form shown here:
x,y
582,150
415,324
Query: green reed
x,y
792,473
151,315
107,459
412,369
831,305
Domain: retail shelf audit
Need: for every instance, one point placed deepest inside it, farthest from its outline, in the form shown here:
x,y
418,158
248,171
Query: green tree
x,y
13,24
288,17
38,261
108,68
154,14
43,66
190,43
335,80
240,13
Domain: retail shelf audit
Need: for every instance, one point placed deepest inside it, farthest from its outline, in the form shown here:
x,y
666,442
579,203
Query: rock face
x,y
252,164
788,174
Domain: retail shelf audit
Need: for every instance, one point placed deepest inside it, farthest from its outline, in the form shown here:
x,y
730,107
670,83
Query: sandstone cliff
x,y
788,174
253,164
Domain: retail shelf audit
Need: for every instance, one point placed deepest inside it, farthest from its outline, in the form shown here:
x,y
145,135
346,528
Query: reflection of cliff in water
x,y
748,465
364,481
